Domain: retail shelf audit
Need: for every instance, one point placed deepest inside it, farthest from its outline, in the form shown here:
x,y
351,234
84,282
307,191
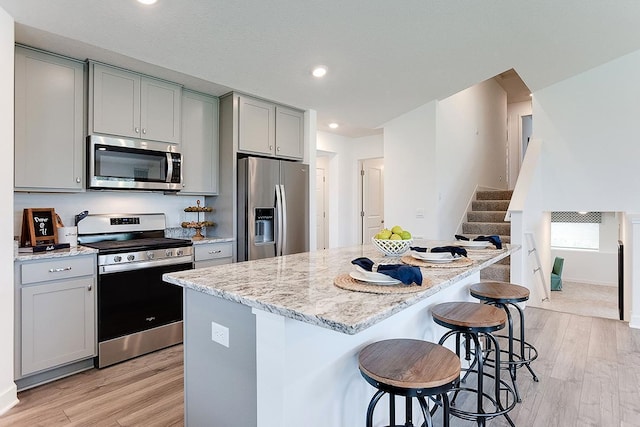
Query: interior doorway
x,y
322,203
372,198
589,245
527,130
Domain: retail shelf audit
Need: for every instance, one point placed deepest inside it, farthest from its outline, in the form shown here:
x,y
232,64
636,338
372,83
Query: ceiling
x,y
384,58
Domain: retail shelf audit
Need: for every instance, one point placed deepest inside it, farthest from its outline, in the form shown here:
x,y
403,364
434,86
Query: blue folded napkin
x,y
418,249
405,273
454,250
494,239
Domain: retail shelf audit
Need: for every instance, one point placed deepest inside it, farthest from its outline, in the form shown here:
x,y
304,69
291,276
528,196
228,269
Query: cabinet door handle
x,y
278,148
58,270
78,179
137,130
270,147
89,288
215,252
144,130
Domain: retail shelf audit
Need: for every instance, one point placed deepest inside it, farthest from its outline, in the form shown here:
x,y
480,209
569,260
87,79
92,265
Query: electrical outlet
x,y
220,334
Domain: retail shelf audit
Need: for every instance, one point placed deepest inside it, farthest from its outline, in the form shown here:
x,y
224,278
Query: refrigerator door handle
x,y
283,230
279,222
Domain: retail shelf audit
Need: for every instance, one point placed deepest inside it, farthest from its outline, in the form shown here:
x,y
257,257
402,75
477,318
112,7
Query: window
x,y
576,230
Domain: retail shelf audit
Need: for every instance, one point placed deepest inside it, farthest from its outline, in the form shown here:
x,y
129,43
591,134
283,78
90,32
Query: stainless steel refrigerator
x,y
273,208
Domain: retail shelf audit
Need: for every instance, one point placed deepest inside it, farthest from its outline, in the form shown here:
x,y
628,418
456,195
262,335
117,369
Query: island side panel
x,y
308,375
220,382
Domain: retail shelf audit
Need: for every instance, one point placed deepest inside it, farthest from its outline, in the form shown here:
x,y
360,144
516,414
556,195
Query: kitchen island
x,y
274,342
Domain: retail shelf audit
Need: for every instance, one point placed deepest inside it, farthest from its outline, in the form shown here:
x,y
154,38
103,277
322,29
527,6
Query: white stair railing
x,y
537,269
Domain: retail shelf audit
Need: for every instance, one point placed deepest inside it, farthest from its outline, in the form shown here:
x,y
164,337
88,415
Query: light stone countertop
x,y
59,253
301,286
213,240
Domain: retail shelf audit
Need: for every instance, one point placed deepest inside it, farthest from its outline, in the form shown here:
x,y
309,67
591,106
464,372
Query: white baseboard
x,y
589,282
635,321
8,399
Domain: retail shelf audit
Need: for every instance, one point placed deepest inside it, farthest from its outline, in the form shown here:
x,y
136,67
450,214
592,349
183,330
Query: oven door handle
x,y
117,268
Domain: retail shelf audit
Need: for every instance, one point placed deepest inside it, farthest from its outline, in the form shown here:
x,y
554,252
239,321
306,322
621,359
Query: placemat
x,y
344,281
461,262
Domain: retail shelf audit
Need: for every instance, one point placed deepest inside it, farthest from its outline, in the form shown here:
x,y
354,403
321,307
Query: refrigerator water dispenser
x,y
264,225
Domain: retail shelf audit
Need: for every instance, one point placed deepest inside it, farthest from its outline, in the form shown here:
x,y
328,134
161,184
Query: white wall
x,y
590,153
7,386
410,182
470,151
344,179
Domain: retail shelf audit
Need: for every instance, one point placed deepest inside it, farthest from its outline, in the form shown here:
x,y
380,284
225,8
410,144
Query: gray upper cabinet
x,y
49,122
269,129
127,104
289,133
199,147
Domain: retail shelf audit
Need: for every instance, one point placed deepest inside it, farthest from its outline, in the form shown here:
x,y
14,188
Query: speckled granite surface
x,y
301,286
73,251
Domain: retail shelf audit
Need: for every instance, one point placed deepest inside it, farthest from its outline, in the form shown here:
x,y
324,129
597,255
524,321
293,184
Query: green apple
x,y
395,237
396,230
385,234
405,235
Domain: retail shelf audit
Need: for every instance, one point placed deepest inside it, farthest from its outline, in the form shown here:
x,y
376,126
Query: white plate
x,y
373,277
435,257
473,243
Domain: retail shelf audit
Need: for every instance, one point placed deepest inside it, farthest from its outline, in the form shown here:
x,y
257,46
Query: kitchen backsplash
x,y
68,205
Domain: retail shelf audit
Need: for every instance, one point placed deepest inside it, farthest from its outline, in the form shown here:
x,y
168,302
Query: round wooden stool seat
x,y
469,316
408,363
413,369
500,292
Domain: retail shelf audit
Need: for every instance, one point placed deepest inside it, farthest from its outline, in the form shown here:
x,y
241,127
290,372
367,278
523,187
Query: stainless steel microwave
x,y
126,164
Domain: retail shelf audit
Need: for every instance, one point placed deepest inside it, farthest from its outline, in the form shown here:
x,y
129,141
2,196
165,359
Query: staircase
x,y
487,218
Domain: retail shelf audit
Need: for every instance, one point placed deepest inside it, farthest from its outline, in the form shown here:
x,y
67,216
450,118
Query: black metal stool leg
x,y
372,405
497,381
522,343
512,366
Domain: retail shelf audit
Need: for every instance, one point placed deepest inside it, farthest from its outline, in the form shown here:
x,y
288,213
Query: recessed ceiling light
x,y
319,71
147,2
334,125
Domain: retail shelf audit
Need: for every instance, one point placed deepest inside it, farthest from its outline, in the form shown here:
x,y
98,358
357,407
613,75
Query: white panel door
x,y
116,102
160,106
372,207
320,208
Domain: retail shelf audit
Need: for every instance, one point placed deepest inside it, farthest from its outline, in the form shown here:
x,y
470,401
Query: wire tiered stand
x,y
198,225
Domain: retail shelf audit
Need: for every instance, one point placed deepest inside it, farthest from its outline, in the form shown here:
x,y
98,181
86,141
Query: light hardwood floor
x,y
589,370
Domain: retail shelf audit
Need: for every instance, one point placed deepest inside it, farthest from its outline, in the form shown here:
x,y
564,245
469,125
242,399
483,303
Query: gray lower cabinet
x,y
55,313
199,146
209,254
49,122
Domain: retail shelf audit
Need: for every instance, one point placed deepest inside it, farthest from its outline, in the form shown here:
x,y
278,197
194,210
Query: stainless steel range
x,y
137,312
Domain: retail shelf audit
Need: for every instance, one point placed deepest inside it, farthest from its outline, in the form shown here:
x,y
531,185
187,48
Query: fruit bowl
x,y
392,247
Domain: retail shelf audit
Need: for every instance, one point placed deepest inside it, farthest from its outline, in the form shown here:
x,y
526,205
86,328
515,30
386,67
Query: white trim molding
x,y
8,398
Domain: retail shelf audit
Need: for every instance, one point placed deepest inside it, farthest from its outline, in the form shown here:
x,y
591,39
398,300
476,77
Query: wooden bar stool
x,y
505,295
410,368
476,322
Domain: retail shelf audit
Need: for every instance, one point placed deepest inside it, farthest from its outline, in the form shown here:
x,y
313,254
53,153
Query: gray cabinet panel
x,y
199,146
116,102
289,133
160,106
134,106
256,133
49,122
210,254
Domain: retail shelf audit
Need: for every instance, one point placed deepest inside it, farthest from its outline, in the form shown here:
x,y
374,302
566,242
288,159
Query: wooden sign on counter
x,y
38,227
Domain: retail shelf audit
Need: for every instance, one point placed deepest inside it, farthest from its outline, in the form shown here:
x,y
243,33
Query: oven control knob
x,y
179,252
117,258
131,257
150,255
168,253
